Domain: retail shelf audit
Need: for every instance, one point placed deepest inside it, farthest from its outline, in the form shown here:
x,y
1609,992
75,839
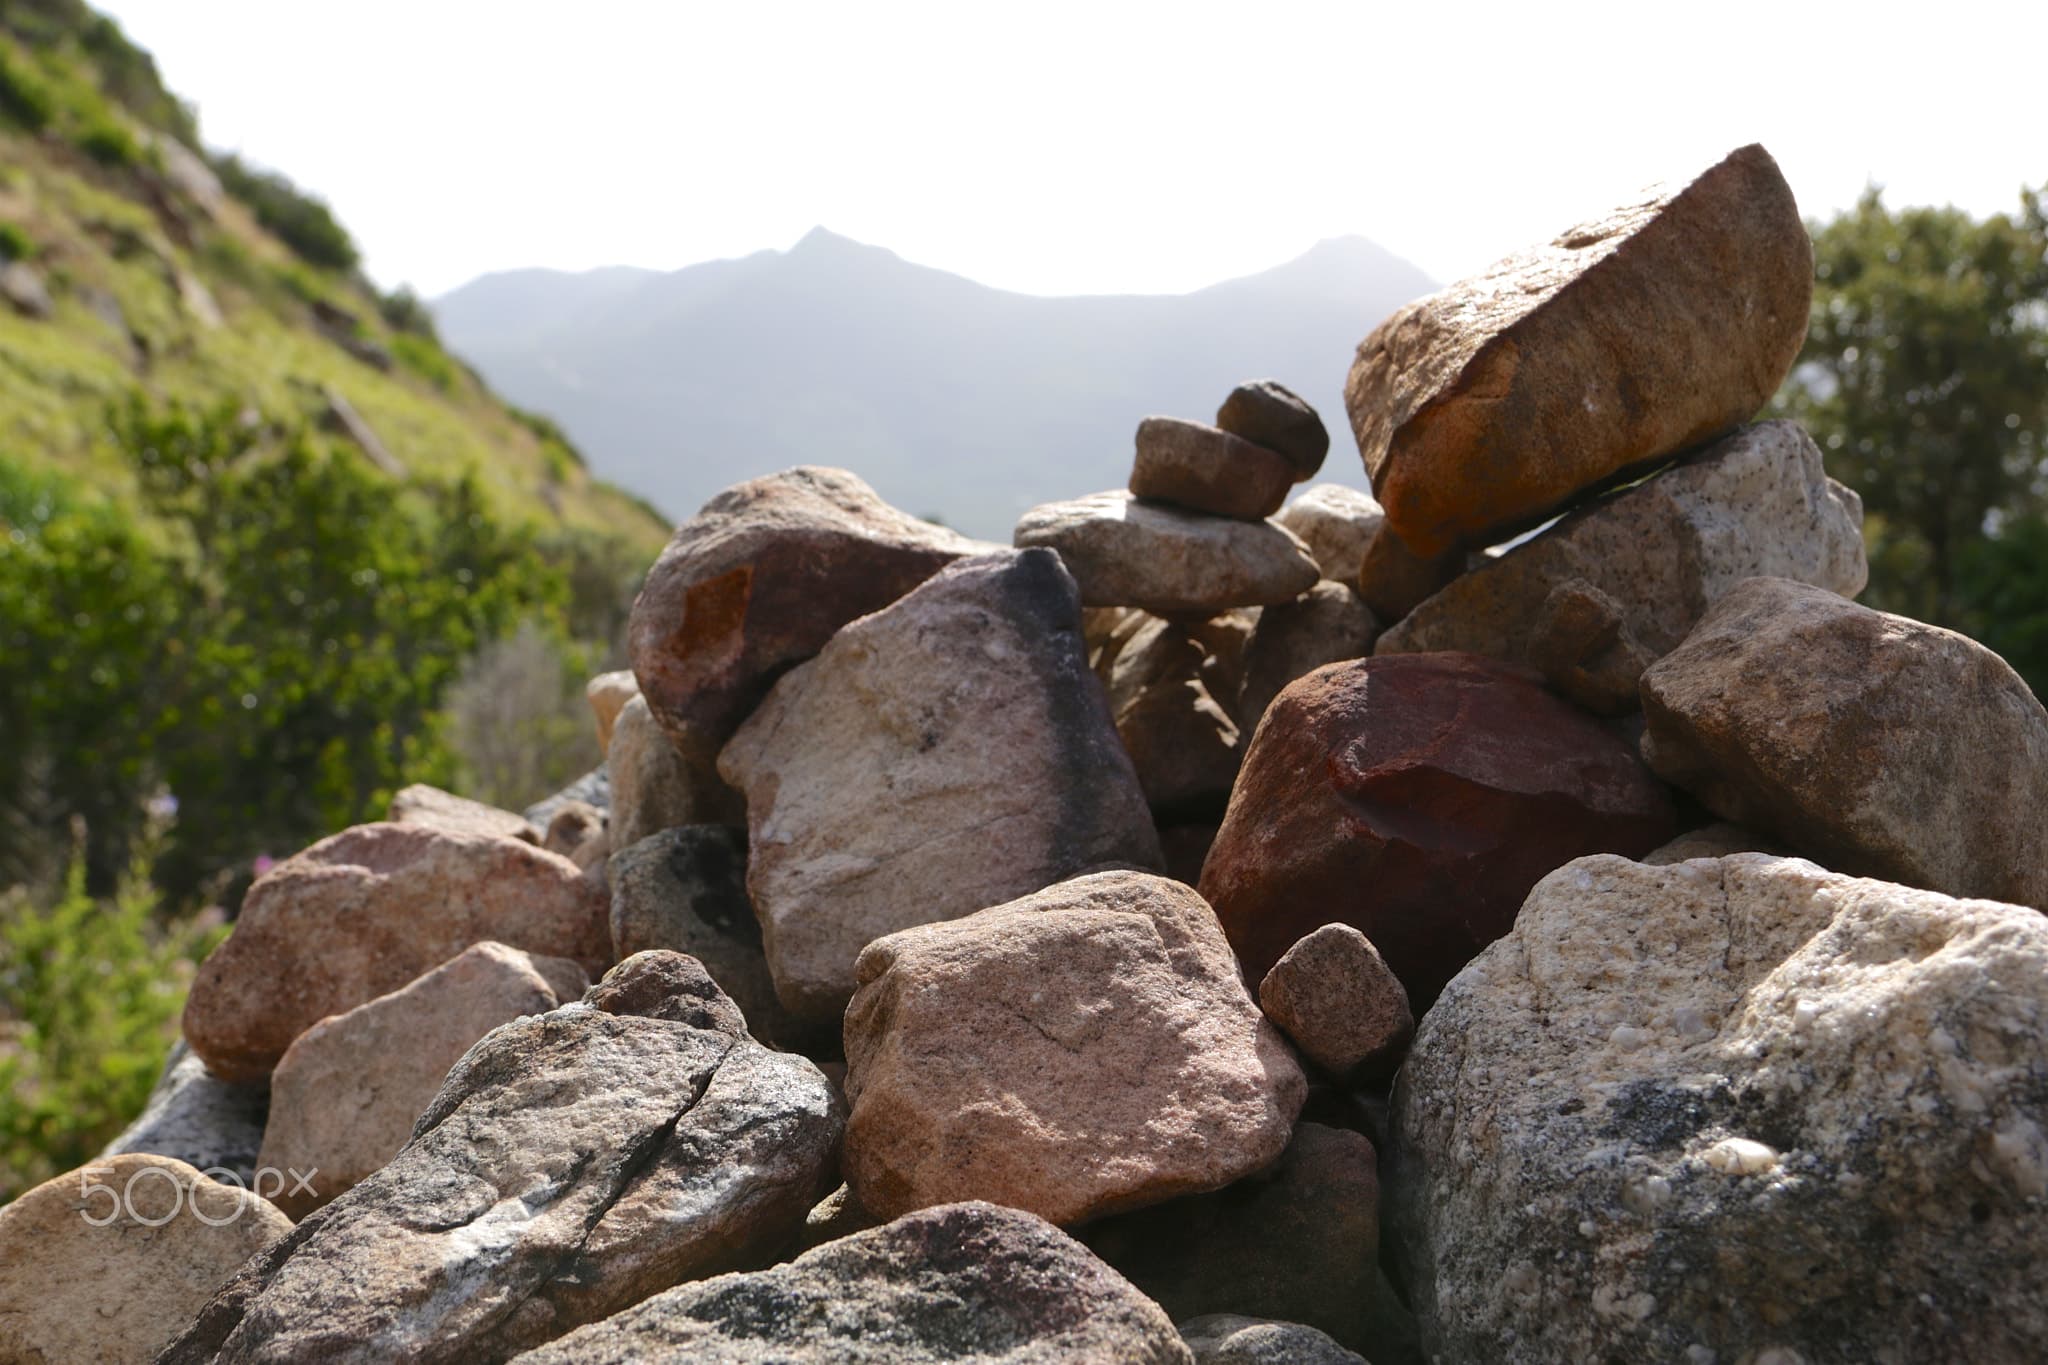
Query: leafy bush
x,y
15,244
25,97
90,991
301,221
108,141
427,360
404,311
519,721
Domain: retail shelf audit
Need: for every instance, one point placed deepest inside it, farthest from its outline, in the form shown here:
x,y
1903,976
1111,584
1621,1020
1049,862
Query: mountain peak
x,y
822,239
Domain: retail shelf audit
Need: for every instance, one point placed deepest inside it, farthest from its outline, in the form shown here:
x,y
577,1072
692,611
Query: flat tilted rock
x,y
1083,1050
758,580
1754,504
574,1163
421,804
1337,523
969,1283
110,1262
1127,553
1873,743
364,912
195,1117
1631,337
1205,469
947,753
348,1090
1268,413
1740,1110
1417,798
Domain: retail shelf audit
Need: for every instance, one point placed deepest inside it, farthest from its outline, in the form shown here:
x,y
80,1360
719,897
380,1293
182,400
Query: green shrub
x,y
25,97
15,244
405,311
108,141
550,433
90,992
301,221
427,360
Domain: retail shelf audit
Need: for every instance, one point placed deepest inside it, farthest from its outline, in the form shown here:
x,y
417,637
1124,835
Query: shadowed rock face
x,y
1879,744
1740,1106
960,1283
1417,798
1628,338
757,582
573,1164
195,1117
945,754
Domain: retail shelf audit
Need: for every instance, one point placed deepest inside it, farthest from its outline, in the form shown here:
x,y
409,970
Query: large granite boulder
x,y
346,1093
1417,798
364,912
947,753
574,1163
1873,743
1080,1051
966,1284
1756,503
195,1117
757,581
113,1260
1739,1110
1628,338
1127,553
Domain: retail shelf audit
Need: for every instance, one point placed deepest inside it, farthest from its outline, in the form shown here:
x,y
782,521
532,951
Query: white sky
x,y
1057,147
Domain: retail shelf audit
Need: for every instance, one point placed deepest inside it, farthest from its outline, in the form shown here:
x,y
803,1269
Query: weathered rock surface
x,y
1756,503
1325,625
111,1261
1229,1339
656,786
347,1092
1394,580
686,890
1268,413
1876,744
1079,1051
1205,469
1183,744
1337,523
757,581
364,912
421,804
947,753
1335,996
608,694
1126,553
1744,1110
578,833
195,1117
1298,1241
574,1163
963,1283
1631,337
1417,798
1719,840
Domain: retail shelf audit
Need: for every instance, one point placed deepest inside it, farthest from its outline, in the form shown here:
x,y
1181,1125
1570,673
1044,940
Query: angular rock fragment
x,y
1337,523
364,912
1742,1109
1631,337
1875,744
1638,568
111,1261
421,804
577,832
1126,553
1230,1339
969,1283
1327,624
1335,996
1417,798
757,582
1082,1050
574,1163
1268,413
947,753
345,1096
608,694
195,1117
656,786
1203,469
1183,745
593,788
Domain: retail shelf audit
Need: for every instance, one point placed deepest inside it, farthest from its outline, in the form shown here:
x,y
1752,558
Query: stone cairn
x,y
1190,933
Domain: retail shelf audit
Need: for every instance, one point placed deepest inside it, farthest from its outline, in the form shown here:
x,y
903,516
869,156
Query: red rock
x,y
758,580
1417,798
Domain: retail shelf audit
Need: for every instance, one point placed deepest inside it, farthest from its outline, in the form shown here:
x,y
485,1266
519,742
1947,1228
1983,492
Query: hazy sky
x,y
1077,148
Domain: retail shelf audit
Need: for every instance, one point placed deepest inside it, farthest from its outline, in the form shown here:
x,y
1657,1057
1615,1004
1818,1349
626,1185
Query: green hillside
x,y
182,277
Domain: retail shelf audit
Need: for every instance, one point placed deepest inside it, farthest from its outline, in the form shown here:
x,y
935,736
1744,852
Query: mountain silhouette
x,y
954,399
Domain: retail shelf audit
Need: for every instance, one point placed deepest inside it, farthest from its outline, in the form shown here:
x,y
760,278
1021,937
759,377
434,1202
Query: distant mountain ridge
x,y
953,398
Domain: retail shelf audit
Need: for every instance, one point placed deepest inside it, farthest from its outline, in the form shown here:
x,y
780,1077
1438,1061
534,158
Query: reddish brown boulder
x,y
1653,328
1417,798
758,580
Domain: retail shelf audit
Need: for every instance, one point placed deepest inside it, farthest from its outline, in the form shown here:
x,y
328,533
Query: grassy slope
x,y
96,237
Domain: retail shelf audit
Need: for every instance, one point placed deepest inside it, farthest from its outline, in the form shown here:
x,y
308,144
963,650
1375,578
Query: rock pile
x,y
902,1048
